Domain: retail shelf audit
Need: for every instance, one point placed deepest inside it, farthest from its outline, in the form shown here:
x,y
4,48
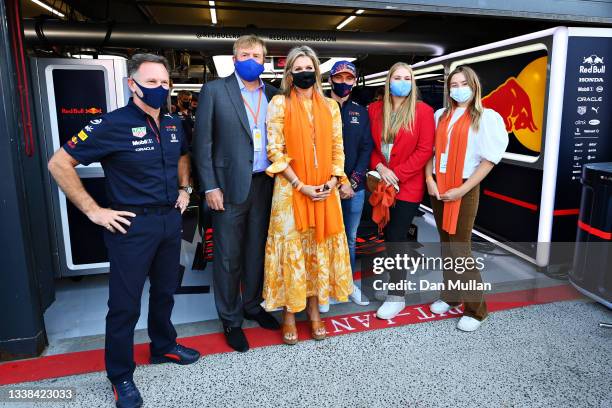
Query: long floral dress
x,y
296,266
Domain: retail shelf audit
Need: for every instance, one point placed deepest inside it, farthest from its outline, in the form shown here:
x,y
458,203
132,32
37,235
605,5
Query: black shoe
x,y
265,319
236,339
127,395
178,355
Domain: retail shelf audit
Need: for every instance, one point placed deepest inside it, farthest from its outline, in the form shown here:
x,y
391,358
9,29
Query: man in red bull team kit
x,y
358,145
143,152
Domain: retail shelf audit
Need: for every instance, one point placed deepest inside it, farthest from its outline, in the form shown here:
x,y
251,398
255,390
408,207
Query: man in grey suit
x,y
230,153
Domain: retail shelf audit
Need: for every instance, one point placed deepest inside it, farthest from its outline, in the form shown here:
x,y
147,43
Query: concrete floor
x,y
550,355
76,320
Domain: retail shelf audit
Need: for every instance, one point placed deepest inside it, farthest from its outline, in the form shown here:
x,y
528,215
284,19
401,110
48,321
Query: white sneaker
x,y
439,307
358,298
392,306
468,324
323,308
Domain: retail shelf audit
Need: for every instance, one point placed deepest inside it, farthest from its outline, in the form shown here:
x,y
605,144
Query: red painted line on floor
x,y
83,362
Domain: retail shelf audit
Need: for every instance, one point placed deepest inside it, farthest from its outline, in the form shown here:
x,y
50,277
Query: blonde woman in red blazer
x,y
403,131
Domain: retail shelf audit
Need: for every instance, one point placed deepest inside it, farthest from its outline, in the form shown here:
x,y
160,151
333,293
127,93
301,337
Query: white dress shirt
x,y
489,143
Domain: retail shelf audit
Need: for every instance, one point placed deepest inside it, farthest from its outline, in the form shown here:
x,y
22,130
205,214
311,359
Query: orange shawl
x,y
453,177
324,216
381,199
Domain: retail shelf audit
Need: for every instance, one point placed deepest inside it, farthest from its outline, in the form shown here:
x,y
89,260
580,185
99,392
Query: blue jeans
x,y
351,213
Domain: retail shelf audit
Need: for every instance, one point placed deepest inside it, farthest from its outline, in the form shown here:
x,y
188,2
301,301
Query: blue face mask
x,y
249,70
461,94
400,88
341,89
154,97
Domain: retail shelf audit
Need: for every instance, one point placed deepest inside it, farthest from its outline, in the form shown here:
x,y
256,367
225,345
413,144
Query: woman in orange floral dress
x,y
307,257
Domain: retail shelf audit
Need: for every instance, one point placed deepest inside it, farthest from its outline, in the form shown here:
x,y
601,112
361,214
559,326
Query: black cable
x,y
109,32
40,33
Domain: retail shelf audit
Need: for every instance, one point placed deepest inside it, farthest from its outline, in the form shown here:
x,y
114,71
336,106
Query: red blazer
x,y
411,150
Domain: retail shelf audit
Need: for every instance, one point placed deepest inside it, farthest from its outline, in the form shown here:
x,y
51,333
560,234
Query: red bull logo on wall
x,y
80,111
520,102
596,65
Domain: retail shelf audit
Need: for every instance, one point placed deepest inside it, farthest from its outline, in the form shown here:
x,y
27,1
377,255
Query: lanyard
x,y
154,128
255,115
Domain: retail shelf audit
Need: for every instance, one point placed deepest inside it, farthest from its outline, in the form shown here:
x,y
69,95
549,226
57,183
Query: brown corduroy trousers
x,y
459,245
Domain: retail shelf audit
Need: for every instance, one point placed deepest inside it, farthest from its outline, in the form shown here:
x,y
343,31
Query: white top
x,y
386,150
489,143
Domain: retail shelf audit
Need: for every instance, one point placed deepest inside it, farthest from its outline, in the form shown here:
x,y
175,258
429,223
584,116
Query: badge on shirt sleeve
x,y
82,135
257,140
73,142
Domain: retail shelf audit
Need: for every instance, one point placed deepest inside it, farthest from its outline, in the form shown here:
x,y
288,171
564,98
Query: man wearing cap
x,y
357,149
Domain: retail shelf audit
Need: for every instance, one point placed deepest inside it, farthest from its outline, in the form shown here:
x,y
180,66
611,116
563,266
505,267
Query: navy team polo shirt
x,y
139,160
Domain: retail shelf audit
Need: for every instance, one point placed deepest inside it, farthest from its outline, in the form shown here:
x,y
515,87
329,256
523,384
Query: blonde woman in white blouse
x,y
470,140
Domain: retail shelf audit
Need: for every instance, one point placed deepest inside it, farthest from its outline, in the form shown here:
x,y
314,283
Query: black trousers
x,y
239,243
396,231
151,247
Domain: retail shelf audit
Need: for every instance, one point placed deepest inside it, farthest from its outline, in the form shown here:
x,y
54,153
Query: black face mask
x,y
304,79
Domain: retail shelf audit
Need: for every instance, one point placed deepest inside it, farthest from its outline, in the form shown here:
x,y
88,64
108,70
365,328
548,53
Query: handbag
x,y
373,178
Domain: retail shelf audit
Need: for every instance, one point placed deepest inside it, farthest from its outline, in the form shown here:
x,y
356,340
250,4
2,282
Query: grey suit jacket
x,y
223,145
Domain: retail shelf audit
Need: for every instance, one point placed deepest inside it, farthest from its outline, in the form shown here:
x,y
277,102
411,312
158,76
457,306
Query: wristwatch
x,y
188,189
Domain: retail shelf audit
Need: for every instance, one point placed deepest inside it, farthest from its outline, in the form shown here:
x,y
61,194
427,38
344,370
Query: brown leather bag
x,y
372,179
